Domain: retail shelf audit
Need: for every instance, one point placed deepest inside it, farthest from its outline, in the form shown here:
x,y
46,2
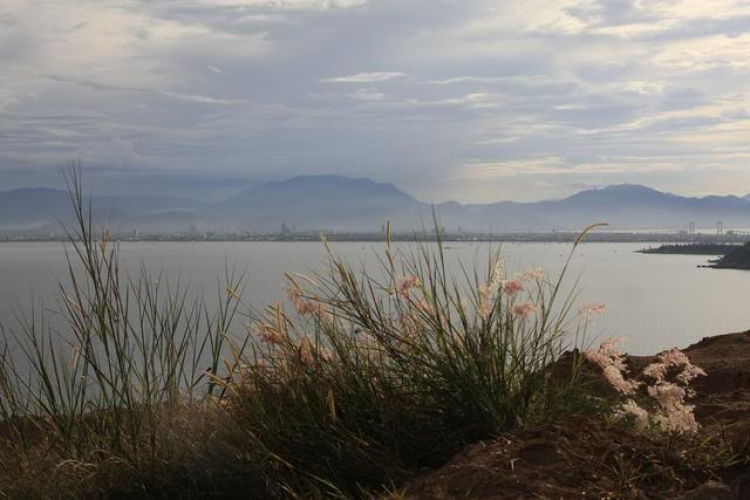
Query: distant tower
x,y
719,228
691,228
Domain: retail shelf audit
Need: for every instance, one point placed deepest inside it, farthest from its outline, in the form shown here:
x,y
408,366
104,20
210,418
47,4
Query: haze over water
x,y
654,301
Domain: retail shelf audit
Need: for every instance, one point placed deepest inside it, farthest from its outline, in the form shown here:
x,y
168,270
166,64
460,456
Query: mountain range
x,y
337,203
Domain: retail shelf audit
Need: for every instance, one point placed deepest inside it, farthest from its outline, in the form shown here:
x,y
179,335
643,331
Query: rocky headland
x,y
739,258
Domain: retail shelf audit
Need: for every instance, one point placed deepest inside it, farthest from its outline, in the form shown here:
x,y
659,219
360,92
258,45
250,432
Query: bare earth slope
x,y
586,457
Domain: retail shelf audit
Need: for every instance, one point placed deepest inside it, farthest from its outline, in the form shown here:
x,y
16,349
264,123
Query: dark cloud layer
x,y
475,100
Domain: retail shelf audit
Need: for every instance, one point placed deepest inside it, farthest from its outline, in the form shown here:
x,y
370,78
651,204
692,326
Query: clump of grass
x,y
111,390
392,371
355,385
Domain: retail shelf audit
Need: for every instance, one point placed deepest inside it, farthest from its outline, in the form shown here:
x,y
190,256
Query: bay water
x,y
654,301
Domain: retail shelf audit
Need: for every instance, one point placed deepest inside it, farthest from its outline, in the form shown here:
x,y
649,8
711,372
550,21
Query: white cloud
x,y
557,166
287,4
536,93
368,95
374,77
705,53
491,170
697,9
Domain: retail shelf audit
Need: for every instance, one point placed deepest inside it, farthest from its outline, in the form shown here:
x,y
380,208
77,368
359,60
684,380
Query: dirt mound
x,y
723,396
578,458
586,457
726,359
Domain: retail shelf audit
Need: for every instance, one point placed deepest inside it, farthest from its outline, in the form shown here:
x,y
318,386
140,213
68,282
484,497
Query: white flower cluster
x,y
671,376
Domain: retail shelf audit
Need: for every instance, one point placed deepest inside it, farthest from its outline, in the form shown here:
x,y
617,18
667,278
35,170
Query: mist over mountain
x,y
330,202
321,191
622,206
44,210
314,202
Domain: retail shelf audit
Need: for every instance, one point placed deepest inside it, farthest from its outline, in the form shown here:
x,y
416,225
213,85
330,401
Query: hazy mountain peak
x,y
630,189
633,187
620,194
324,189
331,180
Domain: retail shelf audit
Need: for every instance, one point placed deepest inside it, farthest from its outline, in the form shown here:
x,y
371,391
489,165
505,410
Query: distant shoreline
x,y
675,239
715,249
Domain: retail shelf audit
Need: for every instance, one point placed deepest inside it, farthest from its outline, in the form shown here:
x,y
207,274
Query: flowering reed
x,y
667,382
411,365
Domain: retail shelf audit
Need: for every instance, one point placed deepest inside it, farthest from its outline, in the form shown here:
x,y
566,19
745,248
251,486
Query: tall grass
x,y
397,369
359,381
111,383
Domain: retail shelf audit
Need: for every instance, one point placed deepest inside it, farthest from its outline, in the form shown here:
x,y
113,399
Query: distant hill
x,y
637,206
30,205
320,190
622,206
310,202
43,210
342,203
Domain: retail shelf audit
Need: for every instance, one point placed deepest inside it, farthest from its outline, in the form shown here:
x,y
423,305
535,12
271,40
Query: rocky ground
x,y
589,457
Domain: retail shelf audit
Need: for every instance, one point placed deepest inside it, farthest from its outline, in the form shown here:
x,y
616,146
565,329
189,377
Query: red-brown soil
x,y
588,457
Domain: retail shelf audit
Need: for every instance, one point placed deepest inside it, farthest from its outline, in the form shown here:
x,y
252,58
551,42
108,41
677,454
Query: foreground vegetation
x,y
350,389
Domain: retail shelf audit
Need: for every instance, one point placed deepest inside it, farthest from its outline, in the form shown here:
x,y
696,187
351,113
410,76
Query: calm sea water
x,y
655,301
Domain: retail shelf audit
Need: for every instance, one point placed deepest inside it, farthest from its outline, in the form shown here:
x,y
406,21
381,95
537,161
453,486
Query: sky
x,y
470,100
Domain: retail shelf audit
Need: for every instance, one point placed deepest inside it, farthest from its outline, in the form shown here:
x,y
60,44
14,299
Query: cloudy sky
x,y
474,100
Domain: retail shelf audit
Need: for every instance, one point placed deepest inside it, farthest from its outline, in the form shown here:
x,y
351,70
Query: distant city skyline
x,y
471,100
